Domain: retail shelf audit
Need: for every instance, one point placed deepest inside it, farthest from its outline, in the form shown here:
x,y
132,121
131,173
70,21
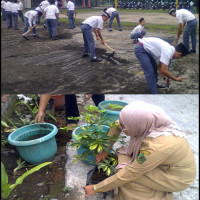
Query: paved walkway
x,y
183,109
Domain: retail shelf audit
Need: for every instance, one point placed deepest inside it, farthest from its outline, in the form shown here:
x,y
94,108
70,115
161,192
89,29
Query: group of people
x,y
11,11
147,49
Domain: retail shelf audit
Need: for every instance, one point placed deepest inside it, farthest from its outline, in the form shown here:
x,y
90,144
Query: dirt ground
x,y
40,65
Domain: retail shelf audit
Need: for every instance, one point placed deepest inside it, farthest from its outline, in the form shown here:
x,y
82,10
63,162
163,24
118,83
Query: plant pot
x,y
110,115
59,101
83,148
36,142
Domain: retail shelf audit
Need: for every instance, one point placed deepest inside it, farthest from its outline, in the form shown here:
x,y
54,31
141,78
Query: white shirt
x,y
159,48
110,10
8,6
32,16
138,29
184,15
56,3
20,5
70,5
15,8
51,11
44,4
94,22
39,9
191,3
2,4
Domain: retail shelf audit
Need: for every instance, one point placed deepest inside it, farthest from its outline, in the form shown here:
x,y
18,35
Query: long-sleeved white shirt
x,y
32,16
8,6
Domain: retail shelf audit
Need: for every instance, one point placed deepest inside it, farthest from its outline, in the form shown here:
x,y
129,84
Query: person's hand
x,y
102,156
35,25
102,41
97,37
180,78
89,190
39,117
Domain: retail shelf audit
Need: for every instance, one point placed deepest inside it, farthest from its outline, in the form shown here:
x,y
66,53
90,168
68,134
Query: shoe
x,y
110,30
16,28
35,35
84,55
192,51
161,86
96,59
120,29
55,38
45,26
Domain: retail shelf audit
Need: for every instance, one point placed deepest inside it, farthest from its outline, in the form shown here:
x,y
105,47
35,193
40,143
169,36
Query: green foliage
x,y
109,164
114,106
46,197
66,189
6,188
95,140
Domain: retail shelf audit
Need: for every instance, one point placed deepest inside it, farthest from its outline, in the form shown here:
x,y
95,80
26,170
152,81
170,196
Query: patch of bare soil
x,y
40,65
49,181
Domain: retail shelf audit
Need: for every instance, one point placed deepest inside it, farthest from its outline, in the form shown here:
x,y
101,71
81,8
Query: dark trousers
x,y
71,18
71,107
149,67
52,27
3,14
9,19
27,25
15,20
21,15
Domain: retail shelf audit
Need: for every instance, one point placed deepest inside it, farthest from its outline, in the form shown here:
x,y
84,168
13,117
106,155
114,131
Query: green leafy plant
x,y
46,197
7,188
95,140
66,189
114,106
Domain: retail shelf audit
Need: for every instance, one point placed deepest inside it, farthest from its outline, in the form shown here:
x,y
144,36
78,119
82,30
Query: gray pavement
x,y
183,109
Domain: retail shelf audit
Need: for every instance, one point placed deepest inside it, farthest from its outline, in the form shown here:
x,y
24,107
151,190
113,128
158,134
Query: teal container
x,y
83,148
35,143
109,115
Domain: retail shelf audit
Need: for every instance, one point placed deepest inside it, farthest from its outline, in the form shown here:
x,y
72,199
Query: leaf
x,y
100,149
4,124
21,178
93,147
5,191
4,177
50,115
108,171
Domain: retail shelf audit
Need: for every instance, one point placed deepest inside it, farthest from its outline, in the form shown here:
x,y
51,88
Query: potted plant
x,y
111,110
92,139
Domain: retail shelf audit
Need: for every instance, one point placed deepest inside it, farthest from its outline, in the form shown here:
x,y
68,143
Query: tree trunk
x,y
83,4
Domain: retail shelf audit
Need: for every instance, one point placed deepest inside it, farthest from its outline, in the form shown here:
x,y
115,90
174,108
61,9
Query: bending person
x,y
157,162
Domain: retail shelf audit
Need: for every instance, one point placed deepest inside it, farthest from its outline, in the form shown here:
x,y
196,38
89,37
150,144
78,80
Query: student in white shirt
x,y
113,13
138,31
15,8
3,11
42,6
8,11
94,23
51,14
186,17
30,20
70,13
147,49
20,11
38,19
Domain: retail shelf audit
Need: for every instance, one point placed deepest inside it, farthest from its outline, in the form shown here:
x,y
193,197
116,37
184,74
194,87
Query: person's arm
x,y
96,34
44,99
180,28
114,131
148,159
162,68
99,34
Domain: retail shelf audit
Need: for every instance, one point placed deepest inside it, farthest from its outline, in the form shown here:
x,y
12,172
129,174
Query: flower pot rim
x,y
34,141
100,106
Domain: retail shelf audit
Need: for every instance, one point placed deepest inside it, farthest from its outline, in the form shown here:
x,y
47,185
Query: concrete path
x,y
183,109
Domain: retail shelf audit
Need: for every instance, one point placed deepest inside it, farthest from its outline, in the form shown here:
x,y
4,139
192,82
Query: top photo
x,y
100,46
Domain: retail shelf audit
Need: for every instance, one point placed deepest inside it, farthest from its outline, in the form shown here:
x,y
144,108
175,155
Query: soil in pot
x,y
97,177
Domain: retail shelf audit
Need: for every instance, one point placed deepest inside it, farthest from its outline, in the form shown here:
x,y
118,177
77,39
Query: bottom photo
x,y
99,147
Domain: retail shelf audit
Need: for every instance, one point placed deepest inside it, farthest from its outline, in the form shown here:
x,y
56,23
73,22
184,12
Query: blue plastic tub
x,y
110,115
84,148
35,143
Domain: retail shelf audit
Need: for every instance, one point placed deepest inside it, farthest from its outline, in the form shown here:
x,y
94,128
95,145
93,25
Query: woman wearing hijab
x,y
157,162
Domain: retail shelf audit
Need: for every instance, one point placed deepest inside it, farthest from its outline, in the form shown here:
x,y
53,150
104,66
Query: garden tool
x,y
24,35
113,51
175,42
